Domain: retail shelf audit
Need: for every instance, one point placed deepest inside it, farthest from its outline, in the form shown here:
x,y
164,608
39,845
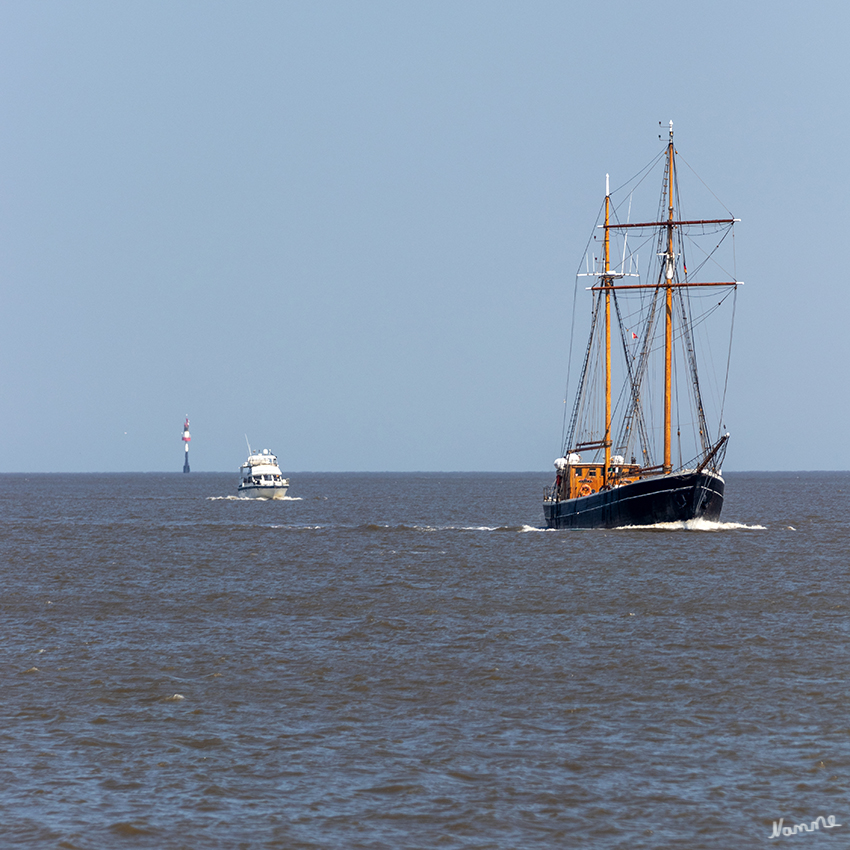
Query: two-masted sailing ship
x,y
638,448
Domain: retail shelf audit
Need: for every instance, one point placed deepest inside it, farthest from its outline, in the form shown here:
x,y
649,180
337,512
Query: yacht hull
x,y
677,497
258,491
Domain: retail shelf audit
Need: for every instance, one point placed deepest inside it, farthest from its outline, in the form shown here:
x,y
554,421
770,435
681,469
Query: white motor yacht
x,y
260,477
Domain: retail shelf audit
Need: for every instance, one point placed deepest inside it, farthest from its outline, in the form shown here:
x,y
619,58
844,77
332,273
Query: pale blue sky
x,y
350,230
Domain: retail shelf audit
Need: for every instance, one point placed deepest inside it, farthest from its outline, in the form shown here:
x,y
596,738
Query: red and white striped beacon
x,y
186,438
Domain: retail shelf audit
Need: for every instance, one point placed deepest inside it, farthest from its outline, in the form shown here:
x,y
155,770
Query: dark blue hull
x,y
666,498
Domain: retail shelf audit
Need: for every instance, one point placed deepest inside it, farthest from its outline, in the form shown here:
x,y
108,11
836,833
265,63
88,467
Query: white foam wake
x,y
694,525
517,528
249,499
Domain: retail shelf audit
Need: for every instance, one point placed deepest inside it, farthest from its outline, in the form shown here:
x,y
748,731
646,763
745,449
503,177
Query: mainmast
x,y
606,282
670,265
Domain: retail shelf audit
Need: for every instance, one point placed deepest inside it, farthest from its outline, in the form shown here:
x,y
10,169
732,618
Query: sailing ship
x,y
623,464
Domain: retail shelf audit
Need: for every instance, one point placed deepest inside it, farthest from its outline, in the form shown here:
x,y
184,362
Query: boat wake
x,y
249,499
516,529
694,525
294,527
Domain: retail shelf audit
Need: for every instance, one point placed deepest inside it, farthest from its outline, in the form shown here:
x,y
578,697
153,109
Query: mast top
x,y
670,130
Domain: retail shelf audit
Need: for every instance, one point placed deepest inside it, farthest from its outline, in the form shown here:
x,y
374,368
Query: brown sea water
x,y
410,661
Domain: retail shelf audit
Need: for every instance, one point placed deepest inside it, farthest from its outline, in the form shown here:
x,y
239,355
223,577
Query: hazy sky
x,y
350,229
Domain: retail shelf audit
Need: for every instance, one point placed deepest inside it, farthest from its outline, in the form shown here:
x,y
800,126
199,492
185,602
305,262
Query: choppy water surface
x,y
409,661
